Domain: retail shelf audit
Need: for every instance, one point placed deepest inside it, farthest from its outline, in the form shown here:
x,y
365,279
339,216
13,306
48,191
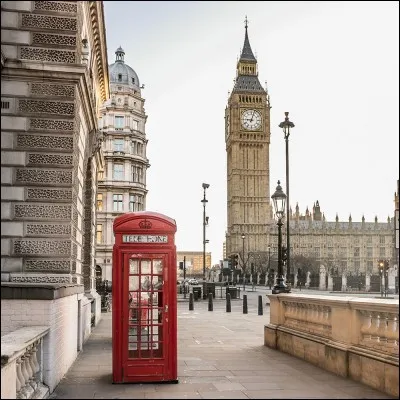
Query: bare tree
x,y
302,264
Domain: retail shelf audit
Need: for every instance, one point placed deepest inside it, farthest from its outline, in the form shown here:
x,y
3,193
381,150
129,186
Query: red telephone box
x,y
144,319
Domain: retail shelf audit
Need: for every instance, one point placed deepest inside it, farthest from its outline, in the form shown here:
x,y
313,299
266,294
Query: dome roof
x,y
122,73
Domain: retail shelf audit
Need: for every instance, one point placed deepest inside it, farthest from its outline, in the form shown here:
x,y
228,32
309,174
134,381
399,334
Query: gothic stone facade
x,y
53,81
349,247
247,137
342,247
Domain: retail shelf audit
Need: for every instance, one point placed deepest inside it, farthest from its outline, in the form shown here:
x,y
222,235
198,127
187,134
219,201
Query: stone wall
x,y
351,337
59,313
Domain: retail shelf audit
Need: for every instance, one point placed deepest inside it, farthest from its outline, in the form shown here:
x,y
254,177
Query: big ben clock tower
x,y
247,138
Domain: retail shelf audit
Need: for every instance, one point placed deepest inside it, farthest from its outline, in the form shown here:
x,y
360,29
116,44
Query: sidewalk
x,y
220,356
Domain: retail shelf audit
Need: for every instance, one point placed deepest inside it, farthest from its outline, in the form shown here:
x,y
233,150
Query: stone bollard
x,y
228,302
210,301
245,304
191,305
260,305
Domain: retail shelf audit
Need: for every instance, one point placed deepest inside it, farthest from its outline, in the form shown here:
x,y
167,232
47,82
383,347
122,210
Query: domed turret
x,y
121,73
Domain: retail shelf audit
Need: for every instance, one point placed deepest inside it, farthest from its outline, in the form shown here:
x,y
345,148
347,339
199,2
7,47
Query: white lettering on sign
x,y
145,238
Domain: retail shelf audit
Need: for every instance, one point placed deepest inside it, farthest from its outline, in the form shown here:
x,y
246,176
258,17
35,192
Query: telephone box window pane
x,y
133,266
157,267
145,283
146,265
157,282
133,283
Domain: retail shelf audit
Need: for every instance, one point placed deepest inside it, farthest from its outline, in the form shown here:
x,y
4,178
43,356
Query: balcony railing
x,y
22,363
338,333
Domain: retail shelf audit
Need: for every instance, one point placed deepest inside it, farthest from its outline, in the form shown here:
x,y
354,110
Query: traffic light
x,y
284,253
236,260
230,262
180,264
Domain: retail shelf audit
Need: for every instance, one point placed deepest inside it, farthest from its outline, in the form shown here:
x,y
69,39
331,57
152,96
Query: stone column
x,y
344,282
330,282
367,282
322,274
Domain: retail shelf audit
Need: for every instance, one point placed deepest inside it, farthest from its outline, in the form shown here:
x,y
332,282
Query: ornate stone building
x,y
54,79
346,249
122,184
247,137
194,262
342,248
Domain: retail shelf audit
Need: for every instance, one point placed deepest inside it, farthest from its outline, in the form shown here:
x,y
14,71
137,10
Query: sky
x,y
334,66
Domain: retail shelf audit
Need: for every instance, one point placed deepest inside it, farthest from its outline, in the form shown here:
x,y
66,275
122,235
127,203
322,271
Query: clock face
x,y
251,120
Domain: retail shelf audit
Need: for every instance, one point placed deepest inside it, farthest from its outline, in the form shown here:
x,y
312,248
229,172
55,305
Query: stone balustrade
x,y
350,336
22,363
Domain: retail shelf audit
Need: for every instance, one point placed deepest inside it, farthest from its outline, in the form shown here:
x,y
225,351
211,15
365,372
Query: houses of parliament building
x,y
342,248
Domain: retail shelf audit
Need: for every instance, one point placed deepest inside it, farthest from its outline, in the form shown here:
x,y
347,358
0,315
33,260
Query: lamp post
x,y
279,199
205,222
286,125
243,264
381,266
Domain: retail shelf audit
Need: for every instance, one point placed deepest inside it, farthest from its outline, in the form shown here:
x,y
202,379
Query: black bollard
x,y
260,306
191,305
228,302
245,304
210,301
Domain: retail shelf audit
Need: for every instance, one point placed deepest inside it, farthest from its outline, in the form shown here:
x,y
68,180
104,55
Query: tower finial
x,y
246,22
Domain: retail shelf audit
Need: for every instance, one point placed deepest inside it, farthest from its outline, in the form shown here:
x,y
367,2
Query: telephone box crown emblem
x,y
145,224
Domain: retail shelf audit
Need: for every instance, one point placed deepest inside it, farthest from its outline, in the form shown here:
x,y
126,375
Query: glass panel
x,y
133,266
146,267
146,308
133,283
157,282
145,283
157,266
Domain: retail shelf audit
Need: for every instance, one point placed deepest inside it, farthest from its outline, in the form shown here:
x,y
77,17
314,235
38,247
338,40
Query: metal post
x,y
204,201
244,268
228,302
210,302
245,304
280,286
184,277
191,305
286,125
287,213
260,305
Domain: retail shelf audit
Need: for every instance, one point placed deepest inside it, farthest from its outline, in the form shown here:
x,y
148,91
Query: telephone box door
x,y
146,330
144,298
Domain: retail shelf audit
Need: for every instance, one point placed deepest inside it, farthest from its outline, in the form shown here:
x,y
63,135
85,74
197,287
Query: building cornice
x,y
96,12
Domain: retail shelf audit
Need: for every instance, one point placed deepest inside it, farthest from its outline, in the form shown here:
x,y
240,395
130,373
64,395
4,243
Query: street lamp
x,y
286,125
279,199
205,223
244,271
